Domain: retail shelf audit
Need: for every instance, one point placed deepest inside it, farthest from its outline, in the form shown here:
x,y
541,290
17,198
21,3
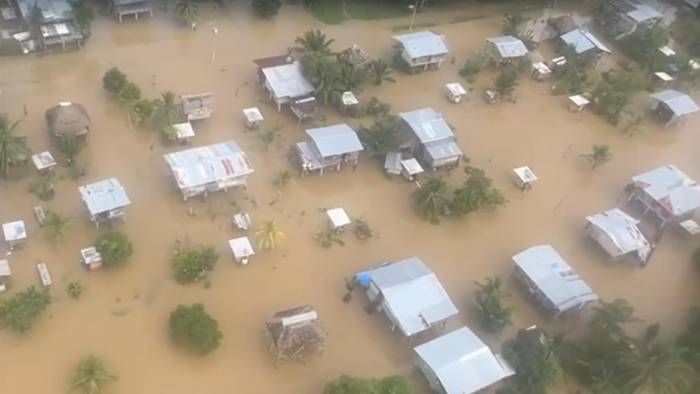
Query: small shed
x,y
460,363
338,218
672,106
507,48
211,168
617,233
132,8
184,132
524,177
242,249
68,120
285,83
197,106
252,117
578,103
551,281
455,92
432,139
5,274
295,332
410,295
622,17
105,200
410,169
667,192
353,55
392,163
15,233
304,108
584,43
44,161
422,50
91,258
350,105
330,147
44,276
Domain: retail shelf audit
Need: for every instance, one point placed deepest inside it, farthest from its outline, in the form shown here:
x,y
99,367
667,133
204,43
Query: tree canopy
x,y
91,376
115,249
352,385
536,365
192,264
13,148
21,310
193,328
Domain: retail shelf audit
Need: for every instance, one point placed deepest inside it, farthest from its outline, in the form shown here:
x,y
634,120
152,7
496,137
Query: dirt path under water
x,y
123,314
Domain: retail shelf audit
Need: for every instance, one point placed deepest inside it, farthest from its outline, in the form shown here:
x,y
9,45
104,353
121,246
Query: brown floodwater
x,y
123,314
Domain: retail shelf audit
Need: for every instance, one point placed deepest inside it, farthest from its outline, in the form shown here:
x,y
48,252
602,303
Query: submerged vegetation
x,y
91,376
20,311
191,264
489,297
193,328
352,385
115,249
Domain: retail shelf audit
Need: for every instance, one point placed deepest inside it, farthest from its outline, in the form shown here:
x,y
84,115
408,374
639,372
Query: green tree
x,y
511,23
431,200
43,187
115,249
21,310
130,93
55,226
114,81
314,41
140,110
165,111
476,193
642,45
191,264
600,154
91,376
383,136
74,289
350,77
269,235
267,136
536,365
13,148
380,72
507,81
614,92
323,74
488,298
84,15
472,67
571,76
690,339
187,10
70,147
193,328
352,385
266,8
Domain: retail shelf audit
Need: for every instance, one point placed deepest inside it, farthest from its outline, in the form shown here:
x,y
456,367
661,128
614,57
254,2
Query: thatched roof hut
x,y
294,332
68,120
353,55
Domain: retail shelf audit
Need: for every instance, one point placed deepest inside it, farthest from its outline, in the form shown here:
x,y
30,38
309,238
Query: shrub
x,y
115,249
352,385
191,265
472,67
193,328
21,310
129,93
114,80
266,8
43,187
376,107
141,110
536,365
74,289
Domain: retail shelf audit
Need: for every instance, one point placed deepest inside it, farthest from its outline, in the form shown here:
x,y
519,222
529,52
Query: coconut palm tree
x,y
506,81
350,77
13,148
383,136
55,226
91,376
187,10
380,71
599,155
269,235
70,147
165,113
323,75
431,199
314,41
495,316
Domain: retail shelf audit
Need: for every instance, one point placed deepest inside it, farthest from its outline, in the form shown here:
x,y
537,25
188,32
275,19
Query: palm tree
x,y
495,316
269,235
314,41
187,10
431,199
91,376
511,23
323,75
13,148
506,81
350,77
55,226
599,155
70,147
380,71
383,136
165,113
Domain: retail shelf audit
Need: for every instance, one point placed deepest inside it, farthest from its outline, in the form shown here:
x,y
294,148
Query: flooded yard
x,y
122,314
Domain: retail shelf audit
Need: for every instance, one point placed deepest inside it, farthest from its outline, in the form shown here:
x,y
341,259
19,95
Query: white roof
x,y
411,166
643,12
667,50
338,217
348,98
422,43
554,277
671,188
5,268
663,76
525,174
335,140
583,41
184,130
621,229
252,114
579,100
287,80
679,103
43,160
14,231
104,196
427,125
207,164
462,362
508,46
413,295
455,88
241,247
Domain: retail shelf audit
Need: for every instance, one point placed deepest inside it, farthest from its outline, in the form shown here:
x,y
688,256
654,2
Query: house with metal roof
x,y
617,234
672,107
410,295
5,274
132,8
329,148
551,281
58,28
430,138
284,81
622,17
105,200
667,192
422,50
507,48
584,43
460,363
211,168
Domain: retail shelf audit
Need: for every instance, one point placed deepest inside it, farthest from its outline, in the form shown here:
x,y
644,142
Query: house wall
x,y
422,61
602,239
430,375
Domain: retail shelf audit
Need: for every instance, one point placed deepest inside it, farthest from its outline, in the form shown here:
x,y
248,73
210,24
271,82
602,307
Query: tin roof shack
x,y
68,120
105,200
197,106
199,171
410,295
506,48
672,106
585,44
622,17
460,363
5,274
56,23
666,191
284,80
555,286
330,147
618,235
135,8
422,50
431,138
294,333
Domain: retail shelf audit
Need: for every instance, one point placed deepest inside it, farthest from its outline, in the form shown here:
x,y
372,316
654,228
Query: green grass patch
x,y
328,11
331,11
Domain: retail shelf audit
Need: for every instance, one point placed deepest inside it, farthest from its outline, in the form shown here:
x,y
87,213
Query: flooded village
x,y
315,226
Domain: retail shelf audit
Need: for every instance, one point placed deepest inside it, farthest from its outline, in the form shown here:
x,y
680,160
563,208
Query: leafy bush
x,y
193,328
266,8
536,365
352,385
43,187
506,81
141,110
130,92
376,107
115,249
472,67
488,298
642,45
614,92
476,193
190,265
21,310
114,81
74,289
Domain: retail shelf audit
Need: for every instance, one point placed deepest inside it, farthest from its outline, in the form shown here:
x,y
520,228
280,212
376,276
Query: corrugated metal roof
x,y
335,140
643,12
427,125
5,268
671,188
462,362
554,277
422,43
509,46
583,41
207,164
680,103
622,231
413,295
443,150
104,196
288,80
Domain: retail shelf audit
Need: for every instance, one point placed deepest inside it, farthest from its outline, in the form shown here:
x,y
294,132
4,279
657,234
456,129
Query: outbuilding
x,y
105,200
329,147
672,107
667,192
294,332
422,50
68,120
618,235
507,48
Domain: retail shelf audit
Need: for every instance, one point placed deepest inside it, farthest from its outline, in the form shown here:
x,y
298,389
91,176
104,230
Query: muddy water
x,y
123,314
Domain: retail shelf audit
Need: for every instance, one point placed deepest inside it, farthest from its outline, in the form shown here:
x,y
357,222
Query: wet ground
x,y
122,314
